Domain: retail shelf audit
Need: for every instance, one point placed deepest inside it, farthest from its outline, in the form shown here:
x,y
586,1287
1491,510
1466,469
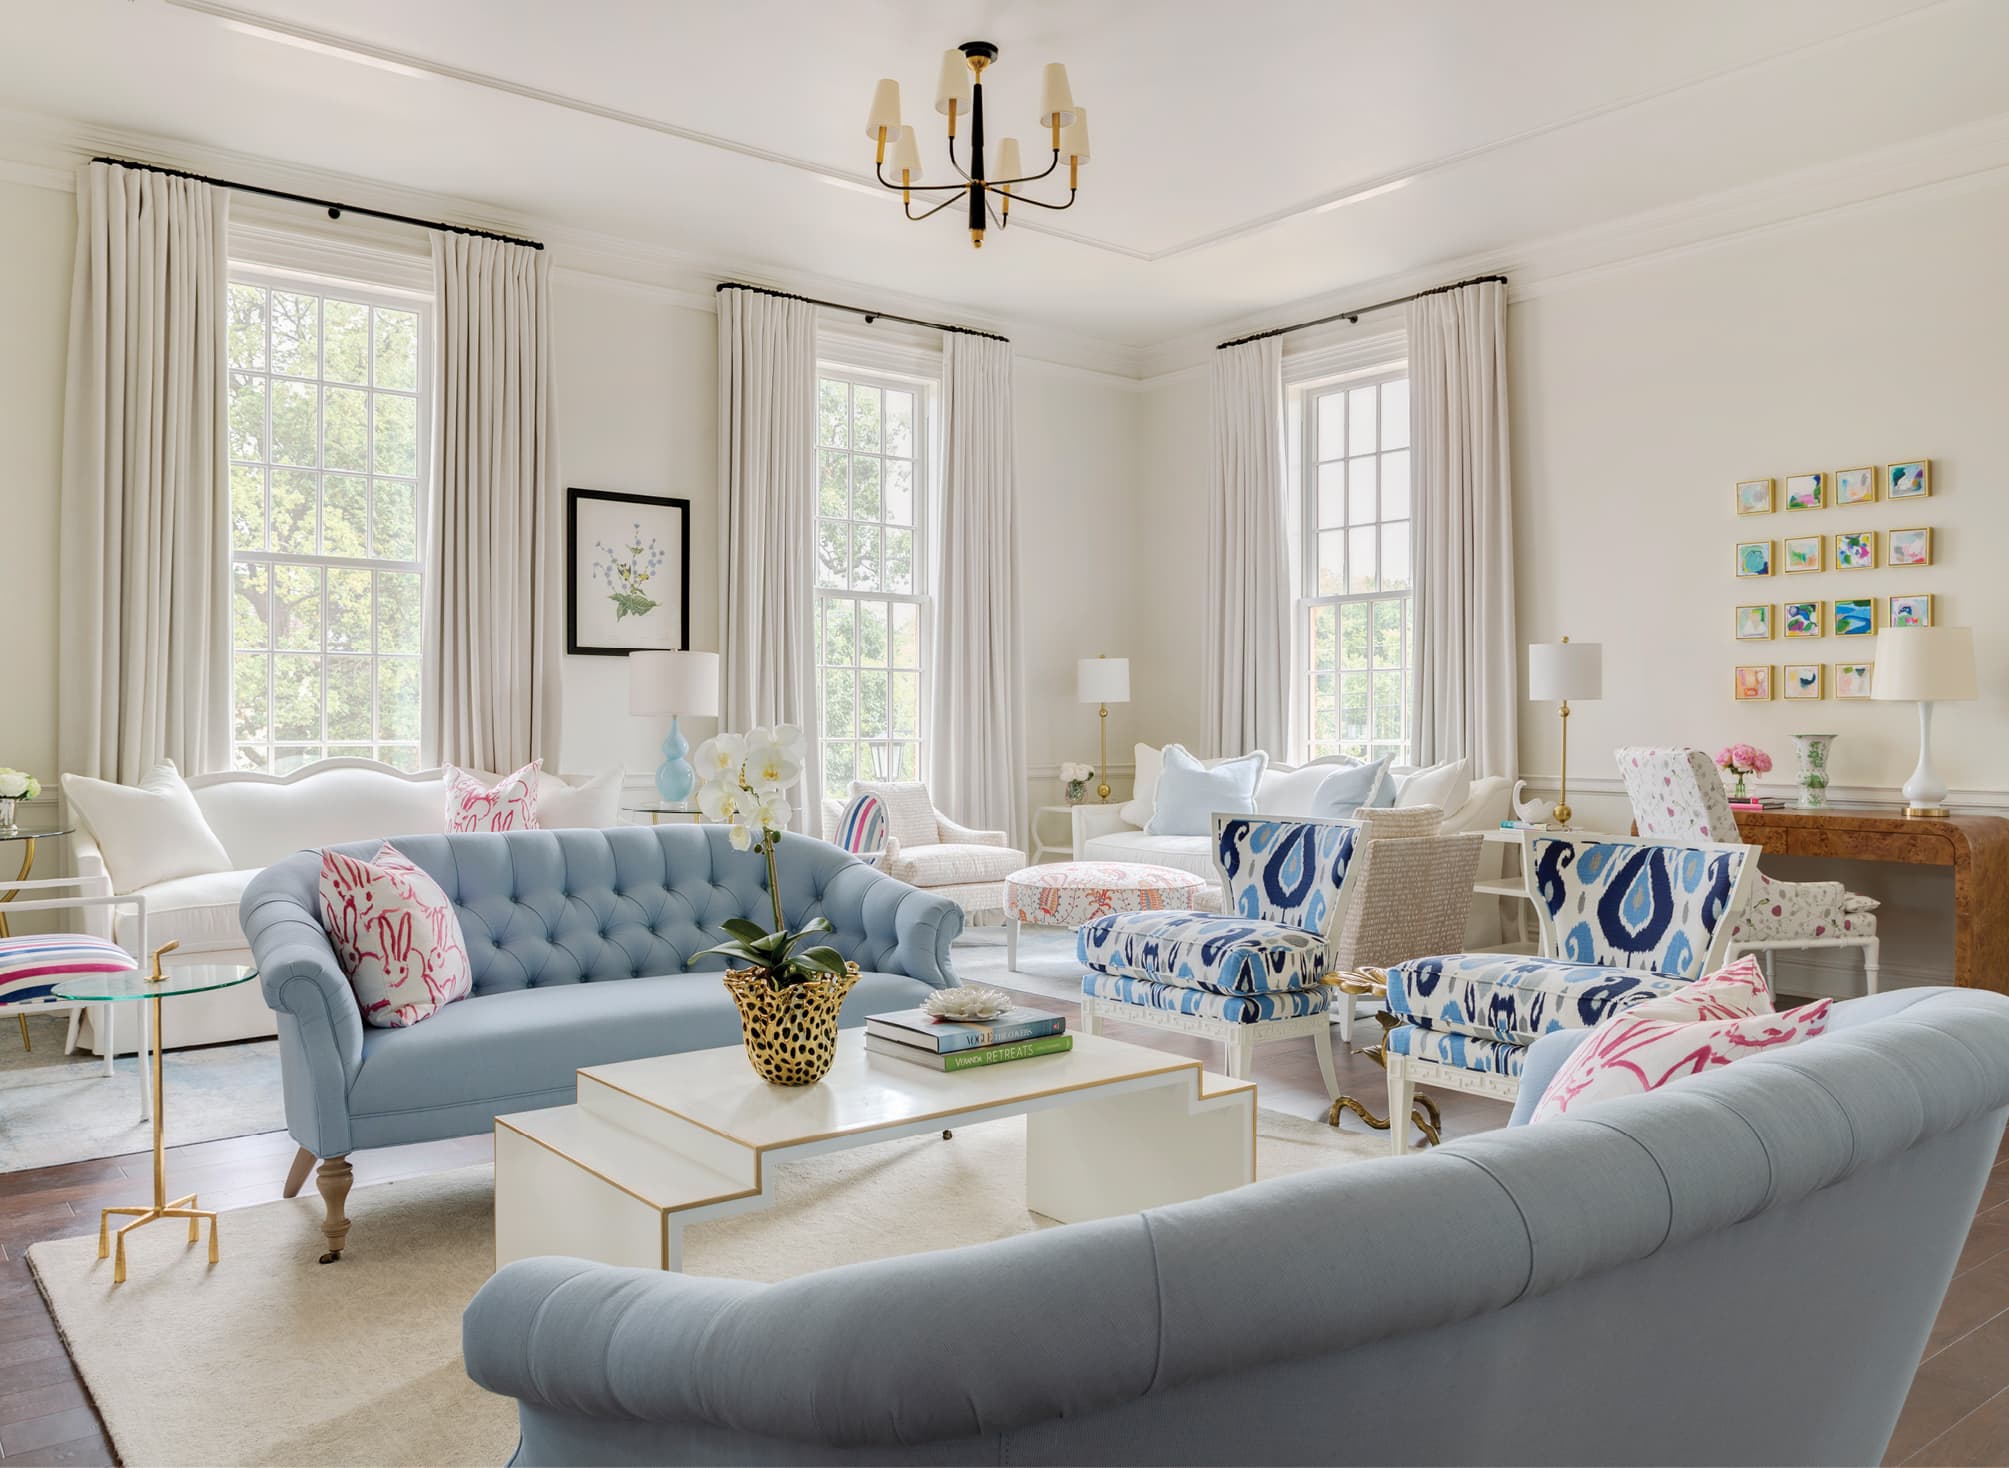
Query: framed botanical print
x,y
628,572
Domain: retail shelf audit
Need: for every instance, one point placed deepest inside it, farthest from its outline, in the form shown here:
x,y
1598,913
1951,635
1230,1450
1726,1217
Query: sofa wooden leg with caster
x,y
333,1180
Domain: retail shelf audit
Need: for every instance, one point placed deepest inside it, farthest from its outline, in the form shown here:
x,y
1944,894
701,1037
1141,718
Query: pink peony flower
x,y
1743,759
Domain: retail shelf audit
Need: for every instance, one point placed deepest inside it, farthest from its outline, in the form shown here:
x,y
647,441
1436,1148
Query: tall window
x,y
871,581
327,468
1359,661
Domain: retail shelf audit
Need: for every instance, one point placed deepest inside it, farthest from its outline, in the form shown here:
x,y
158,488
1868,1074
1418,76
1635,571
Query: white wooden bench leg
x,y
1241,1052
1011,944
1401,1101
1870,950
1321,1041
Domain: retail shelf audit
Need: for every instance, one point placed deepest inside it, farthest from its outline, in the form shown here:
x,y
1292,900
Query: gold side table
x,y
1373,983
194,978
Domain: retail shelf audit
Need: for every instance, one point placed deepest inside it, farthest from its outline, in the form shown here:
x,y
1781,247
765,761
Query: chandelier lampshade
x,y
986,187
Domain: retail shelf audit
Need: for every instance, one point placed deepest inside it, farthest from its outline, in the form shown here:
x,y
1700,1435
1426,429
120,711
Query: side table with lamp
x,y
1103,681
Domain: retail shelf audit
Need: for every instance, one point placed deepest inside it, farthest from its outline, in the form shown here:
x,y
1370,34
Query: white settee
x,y
261,818
1107,832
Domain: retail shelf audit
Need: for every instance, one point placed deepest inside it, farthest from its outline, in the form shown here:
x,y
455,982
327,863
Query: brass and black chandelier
x,y
960,93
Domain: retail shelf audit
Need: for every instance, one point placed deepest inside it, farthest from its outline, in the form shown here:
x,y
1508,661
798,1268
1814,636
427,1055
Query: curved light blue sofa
x,y
1742,1267
578,941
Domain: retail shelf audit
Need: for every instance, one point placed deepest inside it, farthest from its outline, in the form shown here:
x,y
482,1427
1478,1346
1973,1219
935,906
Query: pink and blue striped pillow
x,y
861,830
31,964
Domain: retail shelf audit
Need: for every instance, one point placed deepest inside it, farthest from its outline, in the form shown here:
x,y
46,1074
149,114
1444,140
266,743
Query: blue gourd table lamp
x,y
677,684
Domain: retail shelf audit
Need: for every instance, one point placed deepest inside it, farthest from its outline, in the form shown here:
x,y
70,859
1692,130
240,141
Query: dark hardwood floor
x,y
1957,1414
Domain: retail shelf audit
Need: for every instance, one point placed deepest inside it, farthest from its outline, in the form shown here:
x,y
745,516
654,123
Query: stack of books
x,y
1759,802
916,1036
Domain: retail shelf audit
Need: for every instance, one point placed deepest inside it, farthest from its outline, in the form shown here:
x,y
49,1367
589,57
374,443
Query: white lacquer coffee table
x,y
655,1145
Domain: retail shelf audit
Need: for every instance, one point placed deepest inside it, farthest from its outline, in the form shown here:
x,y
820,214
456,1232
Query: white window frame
x,y
370,293
1304,443
926,389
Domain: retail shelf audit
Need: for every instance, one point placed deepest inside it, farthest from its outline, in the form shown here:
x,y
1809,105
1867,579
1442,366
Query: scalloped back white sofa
x,y
261,818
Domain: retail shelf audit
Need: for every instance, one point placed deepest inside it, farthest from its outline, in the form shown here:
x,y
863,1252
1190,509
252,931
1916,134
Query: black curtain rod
x,y
335,210
870,316
1358,311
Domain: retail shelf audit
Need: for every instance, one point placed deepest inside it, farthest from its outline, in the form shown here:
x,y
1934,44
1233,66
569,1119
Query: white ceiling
x,y
1246,154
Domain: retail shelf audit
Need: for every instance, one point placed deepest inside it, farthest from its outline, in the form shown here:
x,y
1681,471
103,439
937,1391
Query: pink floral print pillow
x,y
509,805
1709,1024
395,935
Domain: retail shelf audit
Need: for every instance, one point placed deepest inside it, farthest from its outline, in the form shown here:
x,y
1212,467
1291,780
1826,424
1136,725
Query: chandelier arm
x,y
1030,177
884,182
952,158
997,219
1042,204
929,214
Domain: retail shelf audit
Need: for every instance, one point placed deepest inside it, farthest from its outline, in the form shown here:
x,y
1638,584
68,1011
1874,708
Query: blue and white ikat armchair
x,y
1253,973
1622,920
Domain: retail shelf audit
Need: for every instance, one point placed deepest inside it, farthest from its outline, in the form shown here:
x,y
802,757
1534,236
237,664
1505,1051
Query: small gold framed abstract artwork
x,y
1806,491
1908,547
1755,682
1754,623
1855,550
1909,611
1804,681
1754,496
1852,680
1754,558
1855,486
1803,618
1909,480
1855,616
1804,553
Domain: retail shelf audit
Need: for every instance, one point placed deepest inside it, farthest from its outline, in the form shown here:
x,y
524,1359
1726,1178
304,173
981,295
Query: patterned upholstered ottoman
x,y
1070,893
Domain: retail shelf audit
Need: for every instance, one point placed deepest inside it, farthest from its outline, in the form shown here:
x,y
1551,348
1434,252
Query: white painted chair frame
x,y
94,893
1239,1041
1406,1073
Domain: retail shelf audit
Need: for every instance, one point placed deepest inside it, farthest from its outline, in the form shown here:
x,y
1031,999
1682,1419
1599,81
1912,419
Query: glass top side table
x,y
194,978
27,836
657,814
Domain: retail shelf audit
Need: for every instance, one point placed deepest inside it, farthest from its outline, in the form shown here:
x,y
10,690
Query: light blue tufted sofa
x,y
552,919
1742,1267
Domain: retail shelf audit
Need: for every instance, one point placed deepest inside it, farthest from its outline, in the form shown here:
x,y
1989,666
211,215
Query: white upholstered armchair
x,y
926,849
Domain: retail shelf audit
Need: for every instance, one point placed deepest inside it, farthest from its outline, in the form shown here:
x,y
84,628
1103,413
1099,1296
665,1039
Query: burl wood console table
x,y
1976,847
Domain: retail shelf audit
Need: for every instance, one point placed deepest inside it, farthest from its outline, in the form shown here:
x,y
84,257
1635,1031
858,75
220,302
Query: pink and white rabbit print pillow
x,y
509,805
395,935
1715,1021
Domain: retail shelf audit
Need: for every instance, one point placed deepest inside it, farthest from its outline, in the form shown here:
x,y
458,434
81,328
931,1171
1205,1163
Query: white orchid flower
x,y
719,757
769,768
791,740
742,836
718,801
773,812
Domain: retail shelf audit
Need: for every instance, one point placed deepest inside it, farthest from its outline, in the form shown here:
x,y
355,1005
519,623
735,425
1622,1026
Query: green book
x,y
970,1059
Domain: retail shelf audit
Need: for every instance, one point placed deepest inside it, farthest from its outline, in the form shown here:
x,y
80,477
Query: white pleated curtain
x,y
144,625
1467,704
767,505
492,610
1248,652
976,726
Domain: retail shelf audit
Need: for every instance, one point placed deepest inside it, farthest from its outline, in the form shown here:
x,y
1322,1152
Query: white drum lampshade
x,y
673,683
1924,665
1561,671
1102,680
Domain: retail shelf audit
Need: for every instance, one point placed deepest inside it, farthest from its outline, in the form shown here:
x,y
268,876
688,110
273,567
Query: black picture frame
x,y
574,583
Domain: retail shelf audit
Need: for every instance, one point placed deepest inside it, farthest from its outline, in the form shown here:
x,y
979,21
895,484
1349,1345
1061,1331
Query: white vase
x,y
7,815
1812,750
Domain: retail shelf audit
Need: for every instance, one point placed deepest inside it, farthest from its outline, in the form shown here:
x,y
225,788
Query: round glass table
x,y
163,983
27,836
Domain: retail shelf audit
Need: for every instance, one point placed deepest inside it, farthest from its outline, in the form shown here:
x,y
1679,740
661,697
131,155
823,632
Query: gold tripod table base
x,y
1424,1115
141,1217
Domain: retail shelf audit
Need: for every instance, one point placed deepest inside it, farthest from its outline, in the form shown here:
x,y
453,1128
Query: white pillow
x,y
1143,786
147,833
1447,786
1291,792
597,803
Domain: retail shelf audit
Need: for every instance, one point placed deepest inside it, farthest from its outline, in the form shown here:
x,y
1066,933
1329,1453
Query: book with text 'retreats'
x,y
969,1059
918,1027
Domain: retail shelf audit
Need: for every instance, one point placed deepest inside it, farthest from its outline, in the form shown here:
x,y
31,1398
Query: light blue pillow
x,y
1348,790
1189,793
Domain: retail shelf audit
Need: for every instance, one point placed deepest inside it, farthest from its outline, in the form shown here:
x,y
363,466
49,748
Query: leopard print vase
x,y
791,1031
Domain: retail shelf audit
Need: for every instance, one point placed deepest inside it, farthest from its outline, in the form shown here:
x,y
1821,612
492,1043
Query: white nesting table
x,y
655,1145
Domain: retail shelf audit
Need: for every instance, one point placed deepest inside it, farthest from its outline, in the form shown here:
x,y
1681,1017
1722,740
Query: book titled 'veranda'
x,y
944,1037
969,1059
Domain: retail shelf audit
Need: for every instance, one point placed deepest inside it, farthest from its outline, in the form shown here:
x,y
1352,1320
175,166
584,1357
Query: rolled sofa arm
x,y
319,1019
1091,821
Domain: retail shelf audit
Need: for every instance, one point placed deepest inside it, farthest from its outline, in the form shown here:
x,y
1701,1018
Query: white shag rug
x,y
271,1358
58,1108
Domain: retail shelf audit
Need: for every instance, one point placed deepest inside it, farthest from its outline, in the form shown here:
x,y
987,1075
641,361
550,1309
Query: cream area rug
x,y
269,1357
64,1108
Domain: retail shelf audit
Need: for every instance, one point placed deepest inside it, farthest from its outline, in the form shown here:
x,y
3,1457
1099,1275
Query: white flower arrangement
x,y
1074,772
18,784
744,782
